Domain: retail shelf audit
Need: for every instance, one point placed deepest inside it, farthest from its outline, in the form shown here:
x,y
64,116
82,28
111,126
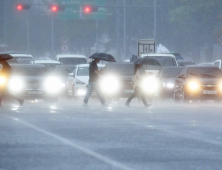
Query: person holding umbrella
x,y
94,75
138,76
6,72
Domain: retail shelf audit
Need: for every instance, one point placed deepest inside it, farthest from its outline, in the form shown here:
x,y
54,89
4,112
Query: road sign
x,y
73,9
64,48
146,46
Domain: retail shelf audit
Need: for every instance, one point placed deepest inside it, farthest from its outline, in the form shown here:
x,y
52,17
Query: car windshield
x,y
73,61
64,71
84,71
29,71
204,72
122,69
178,56
171,72
165,61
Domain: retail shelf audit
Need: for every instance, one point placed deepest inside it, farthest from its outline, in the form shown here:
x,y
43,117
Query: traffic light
x,y
56,8
21,7
88,9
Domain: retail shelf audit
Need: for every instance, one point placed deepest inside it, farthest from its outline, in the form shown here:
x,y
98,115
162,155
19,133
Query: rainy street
x,y
65,135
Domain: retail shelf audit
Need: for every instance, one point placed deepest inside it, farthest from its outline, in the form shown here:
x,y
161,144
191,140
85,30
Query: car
x,y
77,81
163,59
218,63
116,80
167,77
34,81
199,83
71,59
185,62
62,72
18,57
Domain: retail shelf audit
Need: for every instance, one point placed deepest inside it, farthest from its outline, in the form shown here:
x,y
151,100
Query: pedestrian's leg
x,y
144,100
132,96
99,93
1,97
89,92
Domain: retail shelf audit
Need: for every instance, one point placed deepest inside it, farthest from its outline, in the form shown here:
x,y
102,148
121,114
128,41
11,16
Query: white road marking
x,y
73,145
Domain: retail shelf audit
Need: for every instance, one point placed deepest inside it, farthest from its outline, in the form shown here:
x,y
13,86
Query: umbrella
x,y
5,57
103,56
147,61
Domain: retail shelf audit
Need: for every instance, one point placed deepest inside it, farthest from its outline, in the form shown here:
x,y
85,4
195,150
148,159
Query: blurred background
x,y
192,28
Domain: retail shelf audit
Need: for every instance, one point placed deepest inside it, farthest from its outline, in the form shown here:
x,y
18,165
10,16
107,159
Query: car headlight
x,y
150,85
2,80
16,85
110,84
193,86
170,85
53,84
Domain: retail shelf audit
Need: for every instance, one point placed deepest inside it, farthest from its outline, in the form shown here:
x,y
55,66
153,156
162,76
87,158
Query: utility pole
x,y
5,37
118,52
124,30
97,36
52,45
28,41
154,25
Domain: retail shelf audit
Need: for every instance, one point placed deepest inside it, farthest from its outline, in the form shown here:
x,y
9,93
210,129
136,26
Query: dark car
x,y
167,78
34,81
62,72
116,80
199,83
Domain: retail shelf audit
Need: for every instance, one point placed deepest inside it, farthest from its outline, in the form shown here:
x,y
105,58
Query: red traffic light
x,y
54,8
19,7
87,9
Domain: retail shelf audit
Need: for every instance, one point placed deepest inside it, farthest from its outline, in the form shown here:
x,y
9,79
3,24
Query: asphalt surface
x,y
67,136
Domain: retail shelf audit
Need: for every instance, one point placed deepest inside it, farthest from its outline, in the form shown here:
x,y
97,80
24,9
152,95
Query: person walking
x,y
6,72
136,85
93,82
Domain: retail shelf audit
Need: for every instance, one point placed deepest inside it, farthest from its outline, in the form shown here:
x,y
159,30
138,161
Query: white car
x,y
46,62
77,81
71,59
165,60
218,64
22,56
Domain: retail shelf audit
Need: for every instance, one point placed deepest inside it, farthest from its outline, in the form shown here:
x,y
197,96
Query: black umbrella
x,y
147,61
103,56
5,57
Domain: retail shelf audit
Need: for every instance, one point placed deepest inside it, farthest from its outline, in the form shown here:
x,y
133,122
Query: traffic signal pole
x,y
52,45
28,39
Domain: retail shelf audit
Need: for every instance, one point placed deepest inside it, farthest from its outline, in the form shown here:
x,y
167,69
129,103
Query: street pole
x,y
124,31
5,37
154,28
52,48
28,42
97,31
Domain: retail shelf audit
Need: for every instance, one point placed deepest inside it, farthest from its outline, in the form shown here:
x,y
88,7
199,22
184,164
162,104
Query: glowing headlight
x,y
170,85
81,92
15,85
220,86
2,80
193,86
52,84
150,85
110,84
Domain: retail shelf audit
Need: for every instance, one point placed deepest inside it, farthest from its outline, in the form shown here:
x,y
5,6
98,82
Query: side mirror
x,y
181,77
71,74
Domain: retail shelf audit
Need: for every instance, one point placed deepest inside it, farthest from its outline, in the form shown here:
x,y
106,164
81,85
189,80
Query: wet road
x,y
67,136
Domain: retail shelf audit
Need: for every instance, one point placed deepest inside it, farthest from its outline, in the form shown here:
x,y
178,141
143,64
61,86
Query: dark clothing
x,y
136,91
6,72
92,75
